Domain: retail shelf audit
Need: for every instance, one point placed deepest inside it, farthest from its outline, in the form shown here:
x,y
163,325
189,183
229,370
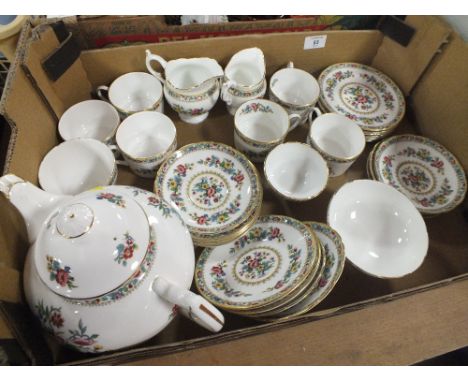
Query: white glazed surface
x,y
89,119
383,233
295,86
77,165
136,91
133,317
237,101
261,120
246,67
296,171
339,139
192,74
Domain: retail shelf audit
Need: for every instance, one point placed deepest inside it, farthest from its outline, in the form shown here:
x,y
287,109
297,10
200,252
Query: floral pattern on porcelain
x,y
294,256
79,338
208,190
189,111
415,177
219,217
130,285
118,200
50,317
61,276
329,263
192,97
125,250
257,234
257,265
165,209
254,107
175,184
227,166
362,94
220,283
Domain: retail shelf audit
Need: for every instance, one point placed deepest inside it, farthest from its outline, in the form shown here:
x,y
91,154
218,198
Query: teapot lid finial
x,y
74,220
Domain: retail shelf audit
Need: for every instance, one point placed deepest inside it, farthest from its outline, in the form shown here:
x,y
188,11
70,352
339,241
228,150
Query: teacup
x,y
77,165
338,139
296,171
145,139
260,125
89,119
296,90
134,92
244,78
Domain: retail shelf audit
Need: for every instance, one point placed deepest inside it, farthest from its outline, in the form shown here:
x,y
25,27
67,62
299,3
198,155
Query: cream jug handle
x,y
154,57
192,305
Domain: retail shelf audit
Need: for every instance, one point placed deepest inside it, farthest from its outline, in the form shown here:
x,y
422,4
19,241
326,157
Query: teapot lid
x,y
92,245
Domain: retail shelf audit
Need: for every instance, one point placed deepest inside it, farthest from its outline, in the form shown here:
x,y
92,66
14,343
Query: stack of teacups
x,y
279,268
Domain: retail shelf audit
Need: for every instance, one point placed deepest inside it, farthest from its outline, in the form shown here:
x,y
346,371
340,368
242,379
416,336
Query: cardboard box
x,y
108,31
365,320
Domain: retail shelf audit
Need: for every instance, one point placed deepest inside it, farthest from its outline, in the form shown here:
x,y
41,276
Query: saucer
x,y
364,95
422,169
215,189
334,255
271,261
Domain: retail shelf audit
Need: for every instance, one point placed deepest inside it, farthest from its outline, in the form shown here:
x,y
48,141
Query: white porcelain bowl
x,y
296,171
383,233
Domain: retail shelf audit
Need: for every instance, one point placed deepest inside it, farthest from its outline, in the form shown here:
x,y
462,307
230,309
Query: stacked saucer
x,y
420,168
216,190
278,269
364,95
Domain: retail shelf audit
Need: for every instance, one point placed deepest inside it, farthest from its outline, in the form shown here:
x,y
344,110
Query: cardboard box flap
x,y
61,86
440,99
405,65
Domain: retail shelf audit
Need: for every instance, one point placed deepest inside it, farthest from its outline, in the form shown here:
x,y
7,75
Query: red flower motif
x,y
201,220
210,192
128,253
279,284
57,320
322,282
107,195
437,164
254,263
153,200
424,202
83,341
181,169
239,178
217,270
387,160
362,99
61,277
275,232
254,106
338,75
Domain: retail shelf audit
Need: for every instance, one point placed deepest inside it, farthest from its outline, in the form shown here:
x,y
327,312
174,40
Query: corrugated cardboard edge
x,y
157,351
431,34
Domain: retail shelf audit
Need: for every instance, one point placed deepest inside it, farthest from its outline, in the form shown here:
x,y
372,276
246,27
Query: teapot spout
x,y
33,203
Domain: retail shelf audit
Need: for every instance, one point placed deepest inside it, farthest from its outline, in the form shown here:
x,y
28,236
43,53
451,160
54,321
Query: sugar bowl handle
x,y
192,305
154,57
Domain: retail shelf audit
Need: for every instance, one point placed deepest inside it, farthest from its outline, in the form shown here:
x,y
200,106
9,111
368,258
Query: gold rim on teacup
x,y
295,199
254,141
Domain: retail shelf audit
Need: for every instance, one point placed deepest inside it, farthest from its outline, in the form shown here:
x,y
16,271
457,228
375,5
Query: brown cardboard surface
x,y
5,332
10,285
448,240
440,100
405,65
381,334
70,88
103,66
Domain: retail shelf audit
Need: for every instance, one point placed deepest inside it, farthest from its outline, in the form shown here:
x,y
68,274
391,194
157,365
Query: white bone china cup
x,y
294,89
133,92
261,125
94,119
77,165
145,139
338,139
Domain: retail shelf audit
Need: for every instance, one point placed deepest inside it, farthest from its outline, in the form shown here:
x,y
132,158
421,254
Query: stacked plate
x,y
420,168
215,189
364,95
279,268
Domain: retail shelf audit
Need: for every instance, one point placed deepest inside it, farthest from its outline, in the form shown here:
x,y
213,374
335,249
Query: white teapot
x,y
191,87
107,268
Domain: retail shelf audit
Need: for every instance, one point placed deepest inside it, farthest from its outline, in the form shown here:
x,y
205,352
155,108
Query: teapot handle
x,y
154,57
192,305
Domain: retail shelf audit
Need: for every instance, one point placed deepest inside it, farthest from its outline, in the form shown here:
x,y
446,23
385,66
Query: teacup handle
x,y
154,57
117,153
315,110
225,95
100,90
296,118
192,305
290,64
